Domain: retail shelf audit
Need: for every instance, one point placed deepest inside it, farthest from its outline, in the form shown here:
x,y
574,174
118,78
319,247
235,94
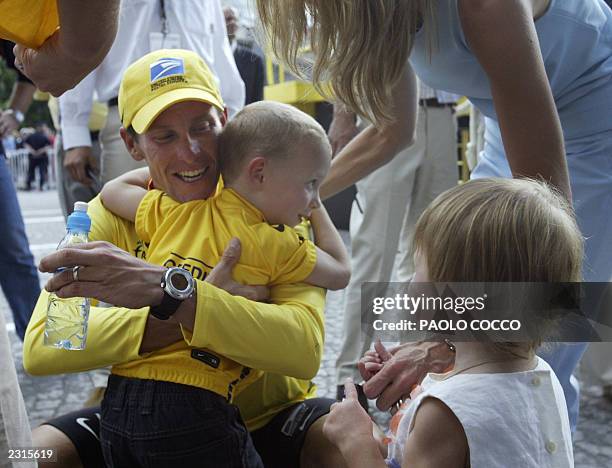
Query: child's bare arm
x,y
333,269
437,439
123,194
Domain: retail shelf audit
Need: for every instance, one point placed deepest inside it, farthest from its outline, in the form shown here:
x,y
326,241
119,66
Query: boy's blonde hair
x,y
500,230
269,129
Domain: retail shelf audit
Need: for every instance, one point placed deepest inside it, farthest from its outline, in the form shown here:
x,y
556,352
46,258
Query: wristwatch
x,y
178,285
19,117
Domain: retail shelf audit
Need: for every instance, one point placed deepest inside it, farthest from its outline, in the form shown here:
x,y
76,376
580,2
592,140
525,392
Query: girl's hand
x,y
373,361
347,423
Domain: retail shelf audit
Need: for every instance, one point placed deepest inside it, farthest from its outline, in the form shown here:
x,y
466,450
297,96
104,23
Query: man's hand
x,y
8,123
51,68
221,275
161,333
77,160
342,129
106,273
392,377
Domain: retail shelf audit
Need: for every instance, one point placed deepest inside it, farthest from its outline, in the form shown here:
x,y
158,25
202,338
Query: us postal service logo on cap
x,y
167,71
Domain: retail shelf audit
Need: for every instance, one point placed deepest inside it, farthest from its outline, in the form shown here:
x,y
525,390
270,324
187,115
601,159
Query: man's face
x,y
231,22
180,148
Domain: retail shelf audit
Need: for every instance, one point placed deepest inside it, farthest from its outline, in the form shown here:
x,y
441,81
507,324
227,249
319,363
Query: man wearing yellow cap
x,y
162,104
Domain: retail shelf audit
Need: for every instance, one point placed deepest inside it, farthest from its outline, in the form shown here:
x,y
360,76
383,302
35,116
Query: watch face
x,y
179,283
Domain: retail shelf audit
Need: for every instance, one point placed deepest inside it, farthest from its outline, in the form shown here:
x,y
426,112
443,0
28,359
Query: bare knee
x,y
50,437
318,451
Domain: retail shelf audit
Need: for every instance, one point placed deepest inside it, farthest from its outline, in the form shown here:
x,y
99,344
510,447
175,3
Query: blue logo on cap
x,y
166,67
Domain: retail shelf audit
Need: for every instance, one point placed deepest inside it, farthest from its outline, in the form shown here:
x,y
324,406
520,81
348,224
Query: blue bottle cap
x,y
79,220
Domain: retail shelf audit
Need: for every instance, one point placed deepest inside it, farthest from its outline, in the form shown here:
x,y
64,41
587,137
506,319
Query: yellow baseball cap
x,y
160,79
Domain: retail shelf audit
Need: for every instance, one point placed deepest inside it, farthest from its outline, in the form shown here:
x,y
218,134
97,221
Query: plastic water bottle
x,y
66,325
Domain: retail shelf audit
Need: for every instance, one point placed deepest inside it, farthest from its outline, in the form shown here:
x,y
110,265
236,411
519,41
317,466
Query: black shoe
x,y
363,400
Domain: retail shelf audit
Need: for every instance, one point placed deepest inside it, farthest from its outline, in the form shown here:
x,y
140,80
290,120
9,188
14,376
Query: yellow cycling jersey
x,y
28,22
284,339
193,236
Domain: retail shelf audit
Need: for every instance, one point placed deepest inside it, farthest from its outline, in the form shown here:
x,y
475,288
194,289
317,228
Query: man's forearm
x,y
285,337
88,32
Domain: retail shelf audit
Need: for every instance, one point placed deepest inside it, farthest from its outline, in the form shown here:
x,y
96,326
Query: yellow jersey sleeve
x,y
114,334
28,22
152,211
285,337
291,257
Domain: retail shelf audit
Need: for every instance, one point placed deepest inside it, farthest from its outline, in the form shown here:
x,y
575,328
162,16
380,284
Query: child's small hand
x,y
382,351
373,361
347,421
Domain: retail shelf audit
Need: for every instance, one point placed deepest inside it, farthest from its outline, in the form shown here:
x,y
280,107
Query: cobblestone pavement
x,y
47,397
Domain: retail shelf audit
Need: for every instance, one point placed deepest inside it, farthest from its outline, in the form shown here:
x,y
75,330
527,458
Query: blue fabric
x,y
576,43
18,275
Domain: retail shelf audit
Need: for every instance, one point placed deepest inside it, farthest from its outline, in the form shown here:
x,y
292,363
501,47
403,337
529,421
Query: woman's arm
x,y
502,36
374,147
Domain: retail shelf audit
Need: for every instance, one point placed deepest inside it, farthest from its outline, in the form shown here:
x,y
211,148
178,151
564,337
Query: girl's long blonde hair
x,y
360,47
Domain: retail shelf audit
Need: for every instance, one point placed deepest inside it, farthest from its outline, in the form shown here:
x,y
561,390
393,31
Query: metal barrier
x,y
18,164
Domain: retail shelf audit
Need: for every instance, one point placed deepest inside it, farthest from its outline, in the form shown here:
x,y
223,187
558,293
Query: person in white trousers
x,y
384,213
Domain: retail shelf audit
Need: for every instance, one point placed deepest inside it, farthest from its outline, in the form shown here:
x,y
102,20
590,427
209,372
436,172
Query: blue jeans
x,y
149,423
18,275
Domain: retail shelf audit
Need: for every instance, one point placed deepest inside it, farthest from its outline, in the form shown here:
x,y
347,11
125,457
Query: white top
x,y
201,27
510,419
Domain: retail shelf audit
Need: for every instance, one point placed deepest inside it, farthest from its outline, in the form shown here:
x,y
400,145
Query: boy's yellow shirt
x,y
288,348
193,236
28,22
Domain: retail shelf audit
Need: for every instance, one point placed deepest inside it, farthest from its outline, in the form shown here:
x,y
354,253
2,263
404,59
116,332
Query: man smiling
x,y
284,338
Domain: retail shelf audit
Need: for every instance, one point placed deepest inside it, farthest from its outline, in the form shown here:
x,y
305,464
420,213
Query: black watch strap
x,y
168,306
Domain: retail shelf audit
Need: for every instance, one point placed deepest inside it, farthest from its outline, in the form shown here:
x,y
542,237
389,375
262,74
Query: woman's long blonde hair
x,y
360,46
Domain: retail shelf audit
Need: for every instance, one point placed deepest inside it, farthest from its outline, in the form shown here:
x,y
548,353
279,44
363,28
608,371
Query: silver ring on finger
x,y
75,273
398,404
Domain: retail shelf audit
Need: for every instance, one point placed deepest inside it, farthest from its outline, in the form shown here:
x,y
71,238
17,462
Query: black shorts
x,y
278,443
82,427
